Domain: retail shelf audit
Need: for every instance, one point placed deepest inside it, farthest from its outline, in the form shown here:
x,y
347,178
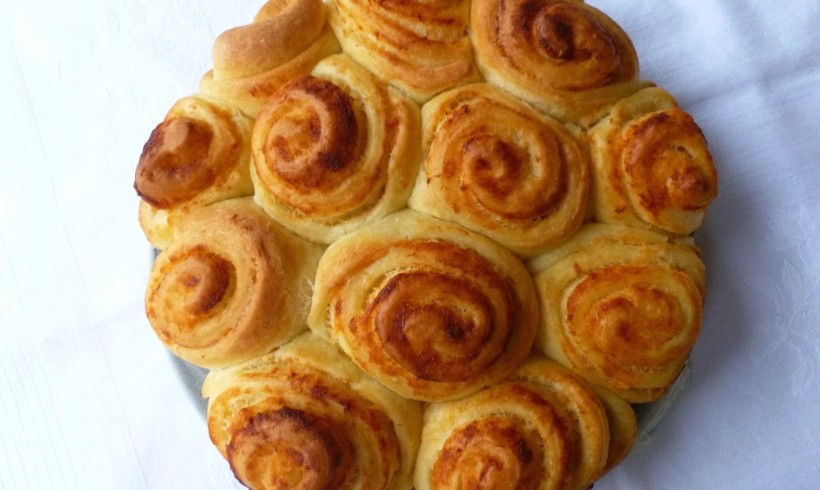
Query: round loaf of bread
x,y
426,244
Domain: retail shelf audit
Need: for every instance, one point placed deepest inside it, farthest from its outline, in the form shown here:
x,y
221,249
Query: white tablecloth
x,y
90,399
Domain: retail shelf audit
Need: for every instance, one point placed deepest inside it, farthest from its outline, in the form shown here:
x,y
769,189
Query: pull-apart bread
x,y
426,244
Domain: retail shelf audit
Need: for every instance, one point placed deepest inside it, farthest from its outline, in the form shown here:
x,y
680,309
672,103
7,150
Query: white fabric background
x,y
88,397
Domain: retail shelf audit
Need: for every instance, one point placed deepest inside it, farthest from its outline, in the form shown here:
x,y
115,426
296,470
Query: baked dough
x,y
621,307
512,130
420,46
232,286
652,166
305,417
496,166
541,428
565,57
199,154
335,150
431,310
285,40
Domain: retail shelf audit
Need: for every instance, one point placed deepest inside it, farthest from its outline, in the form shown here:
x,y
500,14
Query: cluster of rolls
x,y
426,244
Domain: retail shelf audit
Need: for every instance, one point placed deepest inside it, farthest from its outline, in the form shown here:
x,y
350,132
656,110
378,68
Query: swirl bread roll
x,y
426,307
419,46
652,166
541,428
232,286
285,40
497,167
198,155
565,57
621,307
335,150
305,417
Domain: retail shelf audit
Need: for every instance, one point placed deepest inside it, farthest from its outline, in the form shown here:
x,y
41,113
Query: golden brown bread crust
x,y
546,127
565,57
232,286
429,309
305,417
652,165
199,154
420,46
285,40
623,426
540,428
280,31
335,150
498,167
621,307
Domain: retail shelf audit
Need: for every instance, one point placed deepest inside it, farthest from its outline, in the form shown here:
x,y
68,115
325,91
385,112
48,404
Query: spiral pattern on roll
x,y
334,150
305,417
653,166
622,307
500,168
232,286
541,428
177,162
419,46
197,155
427,308
565,57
